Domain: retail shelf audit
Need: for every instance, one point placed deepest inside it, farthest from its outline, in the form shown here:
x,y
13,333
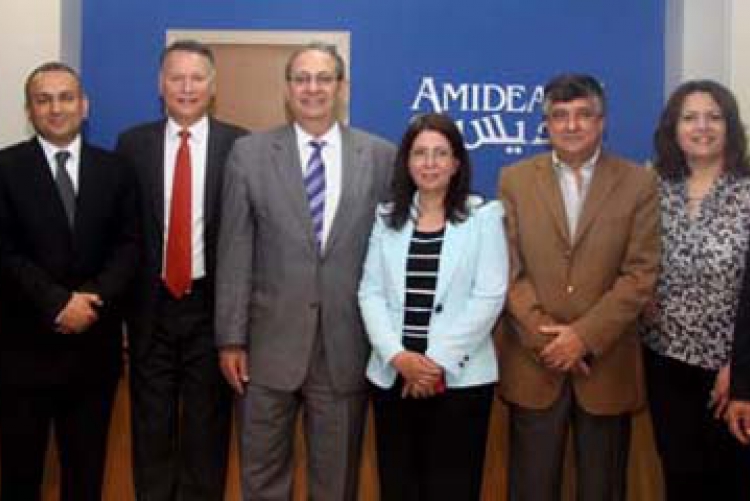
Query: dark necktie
x,y
65,185
178,266
315,186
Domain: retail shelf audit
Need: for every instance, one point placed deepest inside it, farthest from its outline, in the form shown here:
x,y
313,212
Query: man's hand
x,y
233,363
79,313
418,371
565,351
720,393
738,419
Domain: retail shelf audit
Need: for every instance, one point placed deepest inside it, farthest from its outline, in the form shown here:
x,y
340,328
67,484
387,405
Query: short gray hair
x,y
191,46
320,47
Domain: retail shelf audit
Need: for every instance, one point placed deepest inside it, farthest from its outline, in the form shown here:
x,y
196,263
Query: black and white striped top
x,y
422,266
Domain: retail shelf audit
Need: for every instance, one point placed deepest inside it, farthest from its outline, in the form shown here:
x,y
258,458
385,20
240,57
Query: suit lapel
x,y
453,248
353,175
154,149
43,181
549,191
603,182
398,250
287,164
86,192
213,167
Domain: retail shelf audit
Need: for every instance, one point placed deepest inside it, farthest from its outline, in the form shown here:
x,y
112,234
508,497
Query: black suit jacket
x,y
143,148
42,261
740,372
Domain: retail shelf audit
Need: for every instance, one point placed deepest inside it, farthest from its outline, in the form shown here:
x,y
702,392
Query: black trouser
x,y
181,405
700,458
80,416
538,438
432,449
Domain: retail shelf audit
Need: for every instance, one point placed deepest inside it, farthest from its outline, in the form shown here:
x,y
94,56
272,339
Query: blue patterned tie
x,y
315,186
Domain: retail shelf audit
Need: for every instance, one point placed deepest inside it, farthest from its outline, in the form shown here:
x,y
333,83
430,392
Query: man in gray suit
x,y
299,203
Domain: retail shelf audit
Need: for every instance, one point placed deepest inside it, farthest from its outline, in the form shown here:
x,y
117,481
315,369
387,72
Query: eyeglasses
x,y
564,116
322,79
436,154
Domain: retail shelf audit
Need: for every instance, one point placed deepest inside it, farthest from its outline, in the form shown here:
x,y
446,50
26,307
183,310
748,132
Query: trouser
x,y
333,428
432,449
700,458
181,405
537,451
80,417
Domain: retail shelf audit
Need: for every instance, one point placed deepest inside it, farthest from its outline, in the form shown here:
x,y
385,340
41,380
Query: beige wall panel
x,y
250,84
250,71
31,35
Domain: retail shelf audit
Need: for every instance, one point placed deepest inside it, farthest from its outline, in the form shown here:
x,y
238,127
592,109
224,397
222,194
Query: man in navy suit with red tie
x,y
69,244
181,405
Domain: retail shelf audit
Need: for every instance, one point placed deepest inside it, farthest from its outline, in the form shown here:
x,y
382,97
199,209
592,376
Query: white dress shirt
x,y
574,191
74,160
332,159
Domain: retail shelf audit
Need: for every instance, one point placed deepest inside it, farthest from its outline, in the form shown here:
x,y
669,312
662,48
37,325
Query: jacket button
x,y
570,289
439,308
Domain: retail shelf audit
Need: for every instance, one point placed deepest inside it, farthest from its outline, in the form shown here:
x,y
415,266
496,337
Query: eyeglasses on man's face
x,y
304,78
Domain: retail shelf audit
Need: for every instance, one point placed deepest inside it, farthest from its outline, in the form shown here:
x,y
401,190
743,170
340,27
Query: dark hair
x,y
670,160
403,187
48,67
569,86
192,46
320,47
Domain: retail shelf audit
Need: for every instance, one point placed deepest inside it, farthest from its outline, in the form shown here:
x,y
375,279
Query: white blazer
x,y
470,292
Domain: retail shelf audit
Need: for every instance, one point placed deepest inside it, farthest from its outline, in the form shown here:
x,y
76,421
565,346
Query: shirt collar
x,y
587,168
331,138
198,130
74,148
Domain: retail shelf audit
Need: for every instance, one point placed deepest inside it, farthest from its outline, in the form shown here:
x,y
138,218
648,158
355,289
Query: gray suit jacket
x,y
274,292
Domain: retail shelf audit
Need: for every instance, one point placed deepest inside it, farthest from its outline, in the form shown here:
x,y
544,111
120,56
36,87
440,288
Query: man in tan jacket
x,y
583,237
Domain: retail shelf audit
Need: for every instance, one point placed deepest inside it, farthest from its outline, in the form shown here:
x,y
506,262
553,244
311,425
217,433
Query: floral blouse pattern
x,y
701,269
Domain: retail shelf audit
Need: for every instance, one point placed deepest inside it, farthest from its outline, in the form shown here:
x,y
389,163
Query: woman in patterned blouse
x,y
434,283
701,158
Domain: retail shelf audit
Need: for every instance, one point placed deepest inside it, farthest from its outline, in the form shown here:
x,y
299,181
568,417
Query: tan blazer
x,y
597,281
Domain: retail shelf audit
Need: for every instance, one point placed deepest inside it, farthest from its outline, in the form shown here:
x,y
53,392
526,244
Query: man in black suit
x,y
69,244
181,405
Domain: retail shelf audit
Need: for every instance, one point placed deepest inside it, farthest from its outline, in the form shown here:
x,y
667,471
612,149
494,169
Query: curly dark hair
x,y
403,187
670,160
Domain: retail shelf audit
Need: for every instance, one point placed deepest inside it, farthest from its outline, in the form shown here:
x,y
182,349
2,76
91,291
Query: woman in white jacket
x,y
434,284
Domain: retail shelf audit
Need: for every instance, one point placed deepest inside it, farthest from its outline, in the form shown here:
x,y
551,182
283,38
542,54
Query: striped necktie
x,y
315,186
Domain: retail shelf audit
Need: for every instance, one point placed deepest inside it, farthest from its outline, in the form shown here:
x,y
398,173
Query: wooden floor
x,y
644,481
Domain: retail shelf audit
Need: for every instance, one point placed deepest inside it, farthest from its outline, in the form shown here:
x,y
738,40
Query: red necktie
x,y
178,267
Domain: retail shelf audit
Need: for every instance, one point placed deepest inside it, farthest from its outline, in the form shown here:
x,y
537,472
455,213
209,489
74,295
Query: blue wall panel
x,y
410,56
